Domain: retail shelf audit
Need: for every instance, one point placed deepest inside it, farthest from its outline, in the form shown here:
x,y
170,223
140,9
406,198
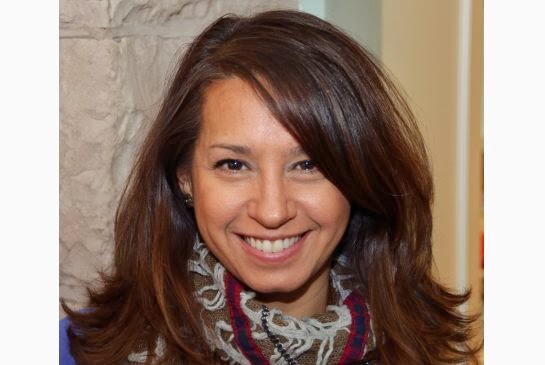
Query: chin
x,y
270,289
275,285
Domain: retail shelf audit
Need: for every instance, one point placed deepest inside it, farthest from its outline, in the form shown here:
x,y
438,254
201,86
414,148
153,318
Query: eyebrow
x,y
245,150
296,151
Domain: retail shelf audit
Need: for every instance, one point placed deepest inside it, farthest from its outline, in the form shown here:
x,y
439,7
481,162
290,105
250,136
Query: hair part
x,y
352,121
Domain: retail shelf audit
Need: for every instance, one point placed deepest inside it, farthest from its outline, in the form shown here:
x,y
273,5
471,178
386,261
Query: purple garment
x,y
65,357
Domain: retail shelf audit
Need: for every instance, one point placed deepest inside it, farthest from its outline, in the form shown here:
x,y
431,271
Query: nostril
x,y
271,204
273,218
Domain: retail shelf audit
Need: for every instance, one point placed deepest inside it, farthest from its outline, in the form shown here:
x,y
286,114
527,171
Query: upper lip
x,y
271,237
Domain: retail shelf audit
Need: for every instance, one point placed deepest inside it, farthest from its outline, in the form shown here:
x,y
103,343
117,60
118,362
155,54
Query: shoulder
x,y
65,357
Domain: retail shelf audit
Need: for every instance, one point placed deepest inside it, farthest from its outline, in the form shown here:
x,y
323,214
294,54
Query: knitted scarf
x,y
231,319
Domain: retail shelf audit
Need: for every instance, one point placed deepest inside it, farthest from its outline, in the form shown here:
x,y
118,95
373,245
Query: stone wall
x,y
115,56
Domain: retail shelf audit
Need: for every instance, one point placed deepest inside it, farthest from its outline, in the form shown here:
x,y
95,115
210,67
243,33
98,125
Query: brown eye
x,y
306,165
229,164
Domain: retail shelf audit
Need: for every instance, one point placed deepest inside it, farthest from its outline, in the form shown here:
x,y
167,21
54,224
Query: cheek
x,y
328,207
214,204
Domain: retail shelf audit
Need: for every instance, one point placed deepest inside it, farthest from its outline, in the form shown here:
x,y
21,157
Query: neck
x,y
306,301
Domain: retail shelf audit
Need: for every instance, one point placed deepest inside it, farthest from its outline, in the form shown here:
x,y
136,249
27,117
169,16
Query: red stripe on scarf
x,y
359,330
240,323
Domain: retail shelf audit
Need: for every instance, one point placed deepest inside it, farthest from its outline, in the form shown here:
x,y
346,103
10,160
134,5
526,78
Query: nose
x,y
272,205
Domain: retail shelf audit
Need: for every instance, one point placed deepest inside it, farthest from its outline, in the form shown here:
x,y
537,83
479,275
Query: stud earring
x,y
188,200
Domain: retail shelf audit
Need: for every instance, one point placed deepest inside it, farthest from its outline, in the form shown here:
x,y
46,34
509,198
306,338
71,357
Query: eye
x,y
231,165
306,170
306,165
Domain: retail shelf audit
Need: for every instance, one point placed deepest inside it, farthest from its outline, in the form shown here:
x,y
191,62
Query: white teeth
x,y
271,246
267,247
287,243
277,246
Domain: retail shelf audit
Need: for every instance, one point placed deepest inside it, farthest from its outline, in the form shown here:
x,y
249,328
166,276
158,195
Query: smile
x,y
272,246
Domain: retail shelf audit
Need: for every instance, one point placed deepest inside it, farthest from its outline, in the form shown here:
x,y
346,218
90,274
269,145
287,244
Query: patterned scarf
x,y
232,320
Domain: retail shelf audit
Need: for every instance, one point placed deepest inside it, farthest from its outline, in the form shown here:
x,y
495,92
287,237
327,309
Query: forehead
x,y
232,108
231,96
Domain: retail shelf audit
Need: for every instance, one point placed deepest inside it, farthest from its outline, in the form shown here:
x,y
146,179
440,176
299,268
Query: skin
x,y
250,178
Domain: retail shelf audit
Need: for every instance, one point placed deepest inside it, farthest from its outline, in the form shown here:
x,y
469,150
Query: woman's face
x,y
262,207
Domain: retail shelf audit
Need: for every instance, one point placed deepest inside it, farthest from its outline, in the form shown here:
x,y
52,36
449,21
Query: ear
x,y
184,181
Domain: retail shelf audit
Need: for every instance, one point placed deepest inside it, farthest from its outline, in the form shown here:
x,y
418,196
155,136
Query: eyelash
x,y
237,165
306,165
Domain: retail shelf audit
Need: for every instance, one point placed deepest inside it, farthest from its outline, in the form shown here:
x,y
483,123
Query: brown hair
x,y
351,120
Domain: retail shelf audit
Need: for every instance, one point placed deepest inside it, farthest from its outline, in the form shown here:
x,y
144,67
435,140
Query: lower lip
x,y
275,257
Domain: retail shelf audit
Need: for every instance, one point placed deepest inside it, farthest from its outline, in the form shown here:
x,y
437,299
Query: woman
x,y
279,212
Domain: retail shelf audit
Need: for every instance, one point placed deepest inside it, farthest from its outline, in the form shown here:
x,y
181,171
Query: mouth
x,y
272,246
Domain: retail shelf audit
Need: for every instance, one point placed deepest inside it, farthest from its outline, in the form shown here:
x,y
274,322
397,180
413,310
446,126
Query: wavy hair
x,y
348,116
